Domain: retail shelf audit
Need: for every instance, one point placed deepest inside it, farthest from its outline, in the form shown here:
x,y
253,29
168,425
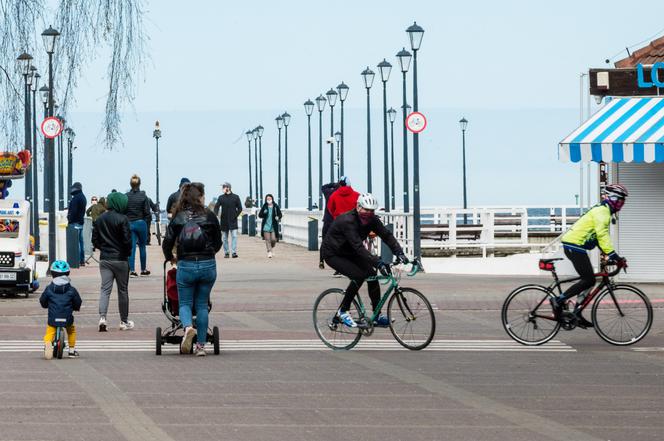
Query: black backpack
x,y
192,238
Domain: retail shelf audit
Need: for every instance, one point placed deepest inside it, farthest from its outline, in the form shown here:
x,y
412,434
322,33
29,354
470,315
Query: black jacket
x,y
276,217
327,190
172,200
76,209
346,235
61,301
112,236
138,205
210,226
231,207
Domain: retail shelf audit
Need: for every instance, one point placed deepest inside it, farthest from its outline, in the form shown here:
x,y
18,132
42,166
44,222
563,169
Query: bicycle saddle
x,y
551,260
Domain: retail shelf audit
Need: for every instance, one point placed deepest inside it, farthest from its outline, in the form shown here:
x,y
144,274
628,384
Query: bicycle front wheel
x,y
528,316
622,315
329,328
412,321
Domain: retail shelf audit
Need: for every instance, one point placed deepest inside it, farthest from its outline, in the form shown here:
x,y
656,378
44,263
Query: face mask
x,y
269,201
615,203
365,217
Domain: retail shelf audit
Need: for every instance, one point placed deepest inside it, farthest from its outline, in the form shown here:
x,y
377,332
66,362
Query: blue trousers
x,y
139,235
81,243
195,280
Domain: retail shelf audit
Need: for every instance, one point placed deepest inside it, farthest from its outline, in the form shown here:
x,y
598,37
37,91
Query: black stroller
x,y
170,305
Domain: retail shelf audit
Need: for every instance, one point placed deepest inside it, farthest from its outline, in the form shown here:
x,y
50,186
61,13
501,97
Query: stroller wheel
x,y
215,340
158,342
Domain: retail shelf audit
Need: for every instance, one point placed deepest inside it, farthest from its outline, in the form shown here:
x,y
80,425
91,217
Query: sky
x,y
216,69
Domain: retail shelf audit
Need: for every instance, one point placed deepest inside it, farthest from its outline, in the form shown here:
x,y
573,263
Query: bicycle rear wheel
x,y
528,316
622,318
412,320
330,330
60,342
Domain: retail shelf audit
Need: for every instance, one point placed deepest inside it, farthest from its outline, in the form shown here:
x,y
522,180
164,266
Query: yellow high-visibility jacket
x,y
591,230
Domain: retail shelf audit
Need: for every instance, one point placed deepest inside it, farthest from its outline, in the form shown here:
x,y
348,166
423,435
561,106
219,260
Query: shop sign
x,y
654,76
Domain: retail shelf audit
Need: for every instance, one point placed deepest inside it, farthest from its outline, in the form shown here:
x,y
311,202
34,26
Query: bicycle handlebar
x,y
619,266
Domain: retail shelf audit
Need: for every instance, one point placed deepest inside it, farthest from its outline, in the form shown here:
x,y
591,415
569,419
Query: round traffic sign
x,y
51,127
416,122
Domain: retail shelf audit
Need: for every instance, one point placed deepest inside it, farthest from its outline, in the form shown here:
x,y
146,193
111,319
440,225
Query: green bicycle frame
x,y
383,280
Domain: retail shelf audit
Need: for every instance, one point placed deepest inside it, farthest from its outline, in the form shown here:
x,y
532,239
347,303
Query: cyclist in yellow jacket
x,y
591,230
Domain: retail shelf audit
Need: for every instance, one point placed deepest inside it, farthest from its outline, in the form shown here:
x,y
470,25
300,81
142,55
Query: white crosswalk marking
x,y
295,345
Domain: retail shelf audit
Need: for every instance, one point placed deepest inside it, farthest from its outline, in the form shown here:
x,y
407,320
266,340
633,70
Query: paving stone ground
x,y
596,392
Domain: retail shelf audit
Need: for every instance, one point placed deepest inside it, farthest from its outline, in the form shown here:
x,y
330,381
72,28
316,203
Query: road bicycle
x,y
411,317
621,313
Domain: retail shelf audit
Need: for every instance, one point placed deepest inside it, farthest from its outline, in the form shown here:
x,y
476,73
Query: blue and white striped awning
x,y
624,130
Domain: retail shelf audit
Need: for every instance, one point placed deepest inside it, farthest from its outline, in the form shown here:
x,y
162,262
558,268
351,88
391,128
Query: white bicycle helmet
x,y
617,190
367,201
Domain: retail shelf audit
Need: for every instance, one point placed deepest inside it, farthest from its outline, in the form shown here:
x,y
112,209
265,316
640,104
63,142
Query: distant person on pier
x,y
96,208
173,198
138,208
271,215
76,216
231,207
343,199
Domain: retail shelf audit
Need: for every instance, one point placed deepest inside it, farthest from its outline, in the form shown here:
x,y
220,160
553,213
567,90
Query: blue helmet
x,y
60,267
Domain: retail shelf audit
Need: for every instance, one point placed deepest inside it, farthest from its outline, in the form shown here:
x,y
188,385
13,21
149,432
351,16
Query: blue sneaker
x,y
347,319
382,321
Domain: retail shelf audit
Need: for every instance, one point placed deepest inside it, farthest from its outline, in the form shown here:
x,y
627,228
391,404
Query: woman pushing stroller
x,y
195,232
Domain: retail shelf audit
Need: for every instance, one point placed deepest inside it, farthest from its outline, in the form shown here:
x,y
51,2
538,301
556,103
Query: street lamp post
x,y
385,68
392,115
463,122
309,109
156,134
35,163
70,162
286,117
337,160
404,58
50,37
342,89
320,102
368,77
44,98
331,100
280,124
254,134
416,33
61,172
249,135
260,130
25,60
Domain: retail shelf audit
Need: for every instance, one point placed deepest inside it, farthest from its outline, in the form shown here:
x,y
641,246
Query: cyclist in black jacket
x,y
343,249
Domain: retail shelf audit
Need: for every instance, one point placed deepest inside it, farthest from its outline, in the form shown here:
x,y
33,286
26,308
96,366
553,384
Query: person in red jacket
x,y
343,199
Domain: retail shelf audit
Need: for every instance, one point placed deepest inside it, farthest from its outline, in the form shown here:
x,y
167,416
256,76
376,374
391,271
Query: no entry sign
x,y
416,122
51,127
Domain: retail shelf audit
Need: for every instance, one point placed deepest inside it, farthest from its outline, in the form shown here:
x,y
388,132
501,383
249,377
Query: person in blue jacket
x,y
61,299
76,216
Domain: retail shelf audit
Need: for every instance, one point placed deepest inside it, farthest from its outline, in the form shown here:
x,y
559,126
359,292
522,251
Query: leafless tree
x,y
88,29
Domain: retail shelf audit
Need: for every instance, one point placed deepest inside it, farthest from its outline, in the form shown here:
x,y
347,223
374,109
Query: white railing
x,y
295,225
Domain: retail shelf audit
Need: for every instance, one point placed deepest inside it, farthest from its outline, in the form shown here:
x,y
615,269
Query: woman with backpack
x,y
195,232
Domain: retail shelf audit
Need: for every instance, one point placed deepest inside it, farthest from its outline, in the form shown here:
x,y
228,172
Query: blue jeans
x,y
81,244
233,234
195,280
139,234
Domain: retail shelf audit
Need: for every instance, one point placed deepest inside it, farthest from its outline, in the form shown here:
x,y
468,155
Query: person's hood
x,y
76,188
102,201
61,281
117,201
346,190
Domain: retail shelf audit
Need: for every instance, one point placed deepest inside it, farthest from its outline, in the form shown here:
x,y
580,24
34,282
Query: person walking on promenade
x,y
173,198
231,208
76,216
97,207
343,199
197,233
138,208
271,215
248,203
327,190
111,234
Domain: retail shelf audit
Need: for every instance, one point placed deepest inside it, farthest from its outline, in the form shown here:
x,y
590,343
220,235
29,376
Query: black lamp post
x,y
280,124
331,100
392,115
286,117
35,163
368,77
44,97
342,89
260,130
254,134
337,160
249,137
50,37
320,102
71,135
404,58
309,109
26,63
156,134
61,166
385,68
416,33
463,122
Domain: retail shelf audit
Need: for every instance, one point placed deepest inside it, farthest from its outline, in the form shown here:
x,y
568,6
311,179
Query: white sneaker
x,y
347,319
102,324
48,351
199,350
126,326
187,340
269,255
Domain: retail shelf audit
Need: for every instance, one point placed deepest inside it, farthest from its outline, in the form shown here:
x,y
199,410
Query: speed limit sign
x,y
51,127
416,122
